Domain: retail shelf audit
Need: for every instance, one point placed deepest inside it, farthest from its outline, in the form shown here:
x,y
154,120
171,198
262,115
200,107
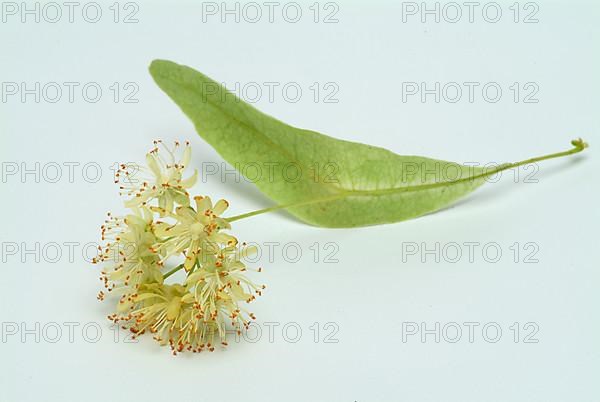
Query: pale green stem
x,y
177,268
578,146
171,272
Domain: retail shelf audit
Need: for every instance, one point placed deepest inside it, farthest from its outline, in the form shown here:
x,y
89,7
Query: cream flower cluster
x,y
164,225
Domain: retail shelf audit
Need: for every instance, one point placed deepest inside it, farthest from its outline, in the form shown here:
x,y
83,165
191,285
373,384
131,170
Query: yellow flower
x,y
197,232
165,183
197,313
128,254
190,317
219,287
158,308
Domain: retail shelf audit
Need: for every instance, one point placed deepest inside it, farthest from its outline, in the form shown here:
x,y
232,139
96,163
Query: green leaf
x,y
337,183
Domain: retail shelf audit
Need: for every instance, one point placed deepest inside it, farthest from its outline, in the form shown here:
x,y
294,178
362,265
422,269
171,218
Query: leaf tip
x,y
157,64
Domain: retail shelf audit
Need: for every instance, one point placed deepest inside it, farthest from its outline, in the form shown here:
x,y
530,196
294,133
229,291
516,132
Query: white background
x,y
375,289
